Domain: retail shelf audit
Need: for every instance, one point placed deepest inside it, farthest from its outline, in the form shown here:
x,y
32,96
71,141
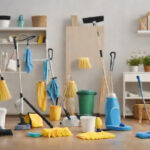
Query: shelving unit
x,y
130,77
29,80
142,32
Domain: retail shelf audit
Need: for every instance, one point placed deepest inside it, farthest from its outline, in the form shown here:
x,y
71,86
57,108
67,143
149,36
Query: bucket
x,y
112,111
3,112
87,123
4,21
55,113
39,21
86,102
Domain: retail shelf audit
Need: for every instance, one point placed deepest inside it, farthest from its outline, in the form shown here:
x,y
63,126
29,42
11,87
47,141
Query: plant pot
x,y
134,68
147,68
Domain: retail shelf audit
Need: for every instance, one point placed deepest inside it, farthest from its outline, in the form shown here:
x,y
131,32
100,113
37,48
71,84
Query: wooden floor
x,y
123,141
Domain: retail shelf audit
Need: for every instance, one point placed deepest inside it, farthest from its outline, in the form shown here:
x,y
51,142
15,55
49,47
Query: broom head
x,y
84,63
71,89
4,91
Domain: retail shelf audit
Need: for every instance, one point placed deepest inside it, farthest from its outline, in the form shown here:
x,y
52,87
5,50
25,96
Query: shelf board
x,y
135,98
23,43
146,32
12,72
24,29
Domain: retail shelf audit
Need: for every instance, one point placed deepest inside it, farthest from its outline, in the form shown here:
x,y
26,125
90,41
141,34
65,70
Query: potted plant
x,y
146,63
134,63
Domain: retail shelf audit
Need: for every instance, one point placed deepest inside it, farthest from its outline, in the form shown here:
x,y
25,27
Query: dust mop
x,y
143,135
22,125
112,108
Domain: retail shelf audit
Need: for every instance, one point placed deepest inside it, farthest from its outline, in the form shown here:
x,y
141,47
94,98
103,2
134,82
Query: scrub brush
x,y
95,135
71,89
56,132
84,63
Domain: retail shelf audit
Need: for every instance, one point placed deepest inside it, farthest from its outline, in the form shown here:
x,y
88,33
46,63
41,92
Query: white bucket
x,y
3,112
88,123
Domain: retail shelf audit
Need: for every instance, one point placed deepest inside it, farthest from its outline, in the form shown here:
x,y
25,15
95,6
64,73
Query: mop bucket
x,y
55,113
112,111
86,102
3,112
87,123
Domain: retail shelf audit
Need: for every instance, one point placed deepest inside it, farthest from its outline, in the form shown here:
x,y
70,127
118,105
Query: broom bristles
x,y
71,89
84,63
4,91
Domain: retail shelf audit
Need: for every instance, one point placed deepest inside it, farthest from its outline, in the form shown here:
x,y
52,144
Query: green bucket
x,y
86,102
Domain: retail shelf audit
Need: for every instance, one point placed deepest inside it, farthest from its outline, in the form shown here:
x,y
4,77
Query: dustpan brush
x,y
4,91
71,89
84,63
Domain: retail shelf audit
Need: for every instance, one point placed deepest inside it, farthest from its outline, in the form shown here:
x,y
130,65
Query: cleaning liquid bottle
x,y
20,21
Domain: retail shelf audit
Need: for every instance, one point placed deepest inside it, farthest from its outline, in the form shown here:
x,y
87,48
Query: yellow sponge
x,y
56,132
84,63
95,135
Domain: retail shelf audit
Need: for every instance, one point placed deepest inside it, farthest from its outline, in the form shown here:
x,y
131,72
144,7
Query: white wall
x,y
121,25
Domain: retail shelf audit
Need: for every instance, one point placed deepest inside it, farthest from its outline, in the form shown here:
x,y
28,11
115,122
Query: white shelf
x,y
146,32
23,43
135,98
12,72
24,29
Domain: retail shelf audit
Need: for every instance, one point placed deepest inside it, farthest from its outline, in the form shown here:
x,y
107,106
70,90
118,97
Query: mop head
x,y
56,132
4,91
95,135
143,135
71,89
84,63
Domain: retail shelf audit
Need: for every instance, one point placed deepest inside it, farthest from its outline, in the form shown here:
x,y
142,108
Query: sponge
x,y
56,132
95,135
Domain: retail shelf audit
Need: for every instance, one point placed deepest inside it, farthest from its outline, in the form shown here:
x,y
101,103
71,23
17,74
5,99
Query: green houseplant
x,y
146,63
134,63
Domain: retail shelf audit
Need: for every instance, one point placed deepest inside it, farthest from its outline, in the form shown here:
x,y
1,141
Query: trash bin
x,y
86,102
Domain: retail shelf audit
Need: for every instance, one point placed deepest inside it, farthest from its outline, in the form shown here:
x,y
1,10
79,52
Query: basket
x,y
39,21
138,109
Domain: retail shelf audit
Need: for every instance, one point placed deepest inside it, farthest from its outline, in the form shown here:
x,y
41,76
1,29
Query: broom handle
x,y
141,91
36,111
103,69
19,70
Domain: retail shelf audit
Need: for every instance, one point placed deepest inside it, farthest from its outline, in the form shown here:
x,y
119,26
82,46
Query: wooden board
x,y
82,41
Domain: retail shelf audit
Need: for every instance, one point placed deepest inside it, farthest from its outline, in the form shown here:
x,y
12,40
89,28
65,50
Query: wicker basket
x,y
137,108
39,21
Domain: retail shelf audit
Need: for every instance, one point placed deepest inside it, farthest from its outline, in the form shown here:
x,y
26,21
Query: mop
x,y
112,108
143,135
22,125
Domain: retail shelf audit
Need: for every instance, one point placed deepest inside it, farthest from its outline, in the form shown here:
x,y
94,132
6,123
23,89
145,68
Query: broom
x,y
4,91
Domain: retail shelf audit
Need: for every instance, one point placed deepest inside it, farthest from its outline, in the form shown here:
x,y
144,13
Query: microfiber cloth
x,y
96,135
143,135
56,132
46,69
28,60
53,90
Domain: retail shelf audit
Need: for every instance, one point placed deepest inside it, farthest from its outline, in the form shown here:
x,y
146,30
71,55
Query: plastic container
x,y
39,21
86,102
55,113
3,112
112,111
88,123
4,21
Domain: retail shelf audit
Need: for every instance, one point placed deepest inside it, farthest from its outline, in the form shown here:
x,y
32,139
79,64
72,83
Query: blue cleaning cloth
x,y
28,60
53,90
46,69
143,135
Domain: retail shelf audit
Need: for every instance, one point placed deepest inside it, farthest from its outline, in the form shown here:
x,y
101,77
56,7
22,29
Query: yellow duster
x,y
41,95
